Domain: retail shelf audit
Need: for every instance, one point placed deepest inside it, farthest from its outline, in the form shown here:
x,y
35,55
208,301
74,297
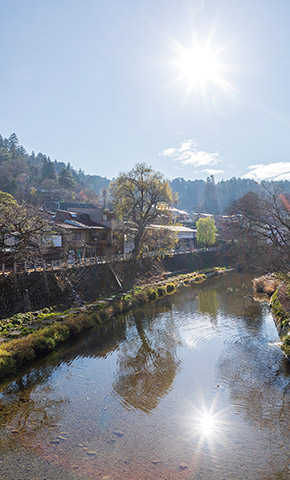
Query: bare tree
x,y
259,227
26,225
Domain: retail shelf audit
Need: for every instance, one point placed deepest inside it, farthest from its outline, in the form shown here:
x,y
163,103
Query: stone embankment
x,y
45,330
75,286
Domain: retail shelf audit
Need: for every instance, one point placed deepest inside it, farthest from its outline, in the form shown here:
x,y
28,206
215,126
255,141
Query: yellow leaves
x,y
206,231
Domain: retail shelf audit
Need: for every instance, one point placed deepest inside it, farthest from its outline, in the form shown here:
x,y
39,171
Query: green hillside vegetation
x,y
37,178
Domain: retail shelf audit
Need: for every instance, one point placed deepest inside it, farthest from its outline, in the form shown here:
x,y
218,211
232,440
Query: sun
x,y
198,66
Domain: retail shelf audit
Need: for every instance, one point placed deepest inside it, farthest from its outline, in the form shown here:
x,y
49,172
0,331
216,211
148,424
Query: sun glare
x,y
207,424
198,65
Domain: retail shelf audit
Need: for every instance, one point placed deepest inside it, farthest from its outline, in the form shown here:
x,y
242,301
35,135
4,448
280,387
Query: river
x,y
193,386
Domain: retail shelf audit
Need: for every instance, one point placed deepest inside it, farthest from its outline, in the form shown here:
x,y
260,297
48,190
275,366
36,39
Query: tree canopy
x,y
206,231
25,223
20,172
137,198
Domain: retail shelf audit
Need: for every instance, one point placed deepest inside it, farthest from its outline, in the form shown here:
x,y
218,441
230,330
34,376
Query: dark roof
x,y
54,205
70,225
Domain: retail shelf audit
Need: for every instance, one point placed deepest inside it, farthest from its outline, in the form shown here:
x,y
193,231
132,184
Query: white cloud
x,y
212,171
188,154
284,176
168,152
270,171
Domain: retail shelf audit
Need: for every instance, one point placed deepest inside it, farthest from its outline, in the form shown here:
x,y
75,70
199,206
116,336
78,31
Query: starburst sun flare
x,y
199,66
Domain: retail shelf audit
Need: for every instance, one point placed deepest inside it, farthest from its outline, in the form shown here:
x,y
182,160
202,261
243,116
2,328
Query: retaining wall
x,y
36,290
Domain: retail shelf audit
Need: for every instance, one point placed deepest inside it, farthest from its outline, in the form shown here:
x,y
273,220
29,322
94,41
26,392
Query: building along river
x,y
193,386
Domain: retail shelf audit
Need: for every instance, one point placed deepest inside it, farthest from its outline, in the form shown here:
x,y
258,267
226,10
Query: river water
x,y
192,387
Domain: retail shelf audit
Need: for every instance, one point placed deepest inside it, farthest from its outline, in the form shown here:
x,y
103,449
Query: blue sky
x,y
104,84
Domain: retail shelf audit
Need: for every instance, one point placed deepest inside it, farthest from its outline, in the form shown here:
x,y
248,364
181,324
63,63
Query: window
x,y
105,217
76,236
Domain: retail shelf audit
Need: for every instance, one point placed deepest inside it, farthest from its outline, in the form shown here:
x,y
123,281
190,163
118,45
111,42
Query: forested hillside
x,y
35,178
210,197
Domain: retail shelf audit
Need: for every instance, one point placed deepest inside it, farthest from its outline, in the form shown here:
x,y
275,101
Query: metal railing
x,y
41,265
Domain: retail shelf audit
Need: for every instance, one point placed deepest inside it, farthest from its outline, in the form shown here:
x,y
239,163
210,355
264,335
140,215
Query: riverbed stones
x,y
155,461
56,441
183,466
118,433
91,452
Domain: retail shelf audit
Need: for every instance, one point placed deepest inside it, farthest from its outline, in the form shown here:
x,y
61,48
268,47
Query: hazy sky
x,y
191,87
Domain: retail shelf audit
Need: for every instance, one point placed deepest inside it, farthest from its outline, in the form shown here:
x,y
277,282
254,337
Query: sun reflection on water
x,y
207,424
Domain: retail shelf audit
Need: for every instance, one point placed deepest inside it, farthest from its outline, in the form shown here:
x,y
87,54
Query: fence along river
x,y
192,387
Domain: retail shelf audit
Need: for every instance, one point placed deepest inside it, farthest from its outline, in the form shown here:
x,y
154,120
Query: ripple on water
x,y
125,402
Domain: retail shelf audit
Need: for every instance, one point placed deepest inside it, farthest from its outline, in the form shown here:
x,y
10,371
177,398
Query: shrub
x,y
170,287
21,350
199,278
152,294
161,290
7,362
43,344
141,298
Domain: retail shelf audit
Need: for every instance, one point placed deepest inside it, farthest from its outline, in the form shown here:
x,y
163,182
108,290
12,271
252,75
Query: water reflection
x,y
190,387
147,363
208,302
23,410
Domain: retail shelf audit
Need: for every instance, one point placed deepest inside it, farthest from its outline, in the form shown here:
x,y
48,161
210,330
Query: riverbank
x,y
64,288
278,291
37,333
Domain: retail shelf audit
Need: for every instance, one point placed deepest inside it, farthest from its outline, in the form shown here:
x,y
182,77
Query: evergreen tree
x,y
66,179
13,141
210,202
48,170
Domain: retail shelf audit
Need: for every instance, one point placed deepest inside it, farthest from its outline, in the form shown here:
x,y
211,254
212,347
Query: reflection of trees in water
x,y
208,301
148,363
25,409
234,294
27,404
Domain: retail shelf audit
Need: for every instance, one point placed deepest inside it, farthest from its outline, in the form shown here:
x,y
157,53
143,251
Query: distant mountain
x,y
36,179
210,197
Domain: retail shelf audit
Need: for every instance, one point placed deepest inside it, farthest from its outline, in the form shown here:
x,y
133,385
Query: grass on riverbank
x,y
283,319
46,337
277,287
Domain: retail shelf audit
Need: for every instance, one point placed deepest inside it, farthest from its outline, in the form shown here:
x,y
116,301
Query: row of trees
x,y
258,226
140,197
211,197
35,178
